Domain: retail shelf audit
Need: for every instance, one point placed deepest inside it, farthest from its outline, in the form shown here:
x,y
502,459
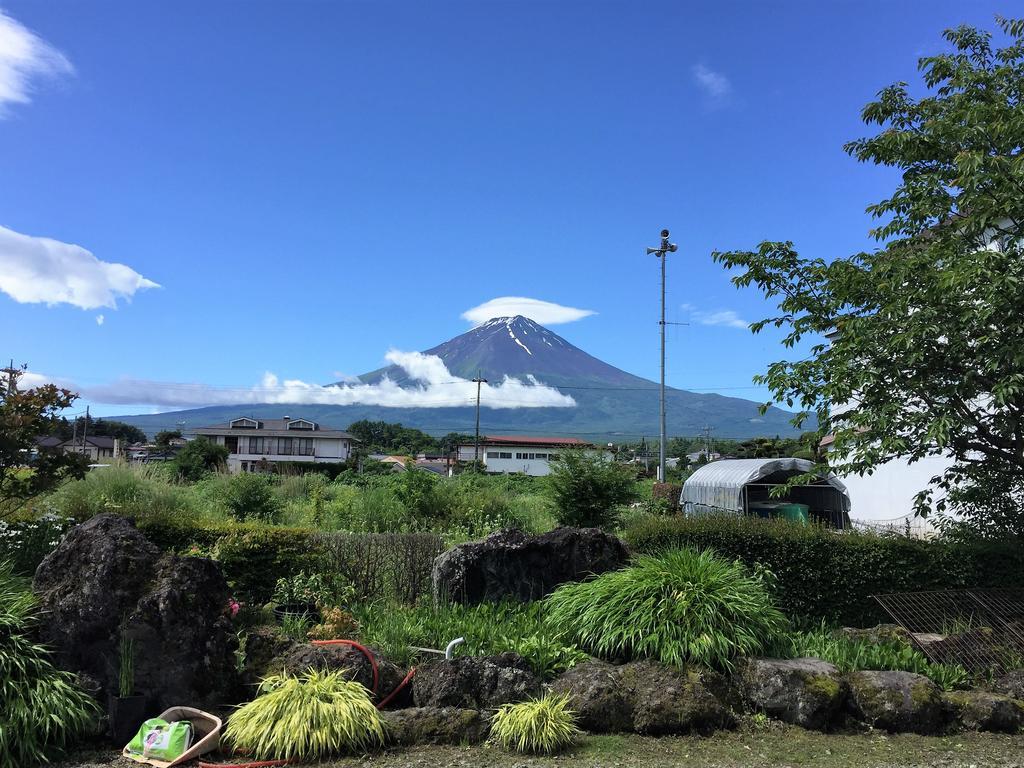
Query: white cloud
x,y
100,319
436,387
543,312
714,84
726,318
23,56
40,270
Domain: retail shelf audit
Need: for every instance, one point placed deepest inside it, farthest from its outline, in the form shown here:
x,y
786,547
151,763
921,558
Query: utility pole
x,y
476,450
85,429
662,252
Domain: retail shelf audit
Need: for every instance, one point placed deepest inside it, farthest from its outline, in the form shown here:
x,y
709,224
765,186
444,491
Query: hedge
x,y
392,567
831,575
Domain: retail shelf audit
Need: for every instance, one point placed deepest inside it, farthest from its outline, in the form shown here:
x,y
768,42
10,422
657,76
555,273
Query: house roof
x,y
273,428
531,440
97,441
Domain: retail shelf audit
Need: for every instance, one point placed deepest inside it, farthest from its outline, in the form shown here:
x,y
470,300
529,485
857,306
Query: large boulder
x,y
1010,684
985,711
105,581
512,564
668,700
596,693
645,697
475,682
805,692
303,657
897,701
435,725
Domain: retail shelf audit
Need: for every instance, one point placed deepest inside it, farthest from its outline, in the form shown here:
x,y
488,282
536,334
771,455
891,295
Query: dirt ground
x,y
777,746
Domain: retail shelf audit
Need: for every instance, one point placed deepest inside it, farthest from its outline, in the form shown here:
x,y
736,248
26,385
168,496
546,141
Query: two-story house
x,y
254,444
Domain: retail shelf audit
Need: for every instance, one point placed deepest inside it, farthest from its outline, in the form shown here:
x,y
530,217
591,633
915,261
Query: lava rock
x,y
1010,684
303,657
474,682
985,711
265,647
435,725
896,701
105,580
597,695
668,700
511,564
806,692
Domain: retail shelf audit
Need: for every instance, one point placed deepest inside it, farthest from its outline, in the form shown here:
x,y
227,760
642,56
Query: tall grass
x,y
683,606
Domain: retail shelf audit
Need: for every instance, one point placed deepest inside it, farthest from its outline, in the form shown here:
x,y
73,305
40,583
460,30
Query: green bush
x,y
306,719
540,726
250,496
587,489
825,574
197,458
41,710
682,606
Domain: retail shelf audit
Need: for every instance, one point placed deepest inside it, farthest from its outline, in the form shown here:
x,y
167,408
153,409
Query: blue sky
x,y
312,184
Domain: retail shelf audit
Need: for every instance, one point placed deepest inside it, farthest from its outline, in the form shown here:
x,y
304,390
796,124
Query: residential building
x,y
517,454
257,444
95,449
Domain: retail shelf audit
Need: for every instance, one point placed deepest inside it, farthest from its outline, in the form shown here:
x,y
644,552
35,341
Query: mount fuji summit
x,y
606,403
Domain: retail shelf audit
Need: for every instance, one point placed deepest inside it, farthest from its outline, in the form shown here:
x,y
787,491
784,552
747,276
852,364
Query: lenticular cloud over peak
x,y
543,312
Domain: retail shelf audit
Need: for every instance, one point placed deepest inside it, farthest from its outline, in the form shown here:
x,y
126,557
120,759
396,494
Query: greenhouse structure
x,y
745,487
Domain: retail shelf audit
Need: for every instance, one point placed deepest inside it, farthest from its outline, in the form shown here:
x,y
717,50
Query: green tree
x,y
25,416
164,436
926,353
250,496
198,457
587,489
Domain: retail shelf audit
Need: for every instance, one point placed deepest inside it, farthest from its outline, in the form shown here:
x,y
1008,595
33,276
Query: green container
x,y
797,513
764,508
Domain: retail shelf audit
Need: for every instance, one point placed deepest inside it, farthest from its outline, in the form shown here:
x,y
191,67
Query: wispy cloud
x,y
100,319
40,270
435,387
715,84
727,318
543,312
24,56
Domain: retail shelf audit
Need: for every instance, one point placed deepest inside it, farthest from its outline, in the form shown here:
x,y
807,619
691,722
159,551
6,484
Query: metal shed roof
x,y
719,485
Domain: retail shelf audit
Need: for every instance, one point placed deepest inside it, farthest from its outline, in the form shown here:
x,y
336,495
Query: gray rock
x,y
512,564
474,682
265,647
896,701
435,725
302,657
105,579
597,695
805,692
1010,684
985,711
668,700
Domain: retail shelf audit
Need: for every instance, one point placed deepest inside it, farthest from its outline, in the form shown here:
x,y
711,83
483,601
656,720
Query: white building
x,y
515,454
253,444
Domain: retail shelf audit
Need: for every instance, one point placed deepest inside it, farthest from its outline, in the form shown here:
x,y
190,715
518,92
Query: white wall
x,y
887,495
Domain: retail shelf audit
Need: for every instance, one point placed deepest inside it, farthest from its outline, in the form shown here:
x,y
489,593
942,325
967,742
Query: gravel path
x,y
777,746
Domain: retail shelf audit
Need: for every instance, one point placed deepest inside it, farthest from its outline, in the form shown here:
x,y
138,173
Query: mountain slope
x,y
610,403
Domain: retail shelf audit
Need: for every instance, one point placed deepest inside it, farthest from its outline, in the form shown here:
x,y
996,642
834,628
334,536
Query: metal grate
x,y
980,629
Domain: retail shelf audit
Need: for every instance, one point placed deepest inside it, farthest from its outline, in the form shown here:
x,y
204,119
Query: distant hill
x,y
611,403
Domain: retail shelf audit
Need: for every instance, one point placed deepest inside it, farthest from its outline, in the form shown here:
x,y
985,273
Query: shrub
x,y
306,718
824,574
540,726
42,709
586,489
197,458
250,496
393,567
684,606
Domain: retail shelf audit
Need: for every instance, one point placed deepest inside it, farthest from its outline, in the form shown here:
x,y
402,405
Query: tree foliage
x,y
25,416
586,488
198,457
163,437
391,438
925,355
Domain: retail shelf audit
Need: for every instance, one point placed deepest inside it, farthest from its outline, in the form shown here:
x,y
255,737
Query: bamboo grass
x,y
306,718
539,726
679,607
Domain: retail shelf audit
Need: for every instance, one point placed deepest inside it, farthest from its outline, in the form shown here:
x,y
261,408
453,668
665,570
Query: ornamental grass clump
x,y
41,709
680,607
306,718
539,726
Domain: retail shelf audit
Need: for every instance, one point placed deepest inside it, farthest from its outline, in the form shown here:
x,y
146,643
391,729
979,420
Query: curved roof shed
x,y
730,485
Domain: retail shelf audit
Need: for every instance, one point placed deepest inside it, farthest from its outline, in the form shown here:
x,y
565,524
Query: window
x,y
284,446
245,424
255,445
492,455
304,446
301,424
505,455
